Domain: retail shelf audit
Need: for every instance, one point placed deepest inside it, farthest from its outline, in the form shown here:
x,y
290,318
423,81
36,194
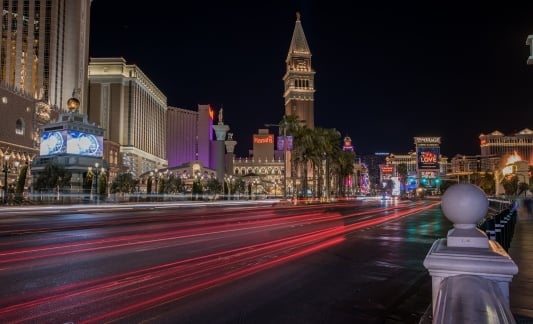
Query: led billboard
x,y
53,143
428,157
71,142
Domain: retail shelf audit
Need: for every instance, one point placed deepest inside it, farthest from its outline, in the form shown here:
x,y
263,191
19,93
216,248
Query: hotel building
x,y
498,144
133,112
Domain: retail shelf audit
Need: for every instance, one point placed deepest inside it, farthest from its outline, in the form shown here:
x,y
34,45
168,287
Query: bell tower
x,y
299,78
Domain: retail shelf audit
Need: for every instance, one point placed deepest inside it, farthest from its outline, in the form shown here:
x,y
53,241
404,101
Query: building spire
x,y
299,42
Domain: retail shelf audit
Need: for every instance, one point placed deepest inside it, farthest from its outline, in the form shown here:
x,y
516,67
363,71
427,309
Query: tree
x,y
510,185
488,183
523,187
21,182
53,176
149,185
290,125
124,183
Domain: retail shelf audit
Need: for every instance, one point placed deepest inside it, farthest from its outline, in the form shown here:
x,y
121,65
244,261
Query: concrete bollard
x,y
467,250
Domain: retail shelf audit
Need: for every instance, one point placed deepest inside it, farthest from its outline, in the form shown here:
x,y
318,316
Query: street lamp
x,y
96,165
6,170
156,172
228,181
256,182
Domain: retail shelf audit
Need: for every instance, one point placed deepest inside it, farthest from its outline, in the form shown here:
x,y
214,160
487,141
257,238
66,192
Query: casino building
x,y
264,169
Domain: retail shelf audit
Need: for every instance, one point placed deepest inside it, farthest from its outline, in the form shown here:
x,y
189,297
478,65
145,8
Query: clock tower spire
x,y
299,78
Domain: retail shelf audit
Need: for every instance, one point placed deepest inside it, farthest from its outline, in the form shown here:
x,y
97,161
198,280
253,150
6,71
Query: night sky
x,y
385,73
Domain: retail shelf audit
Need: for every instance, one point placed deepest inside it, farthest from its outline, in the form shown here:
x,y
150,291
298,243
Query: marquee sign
x,y
427,140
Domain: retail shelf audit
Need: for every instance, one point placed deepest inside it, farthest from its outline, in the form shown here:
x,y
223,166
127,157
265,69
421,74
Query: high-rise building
x,y
133,112
299,78
44,49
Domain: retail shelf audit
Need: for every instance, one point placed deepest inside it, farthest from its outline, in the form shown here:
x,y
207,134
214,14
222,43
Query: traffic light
x,y
424,180
437,181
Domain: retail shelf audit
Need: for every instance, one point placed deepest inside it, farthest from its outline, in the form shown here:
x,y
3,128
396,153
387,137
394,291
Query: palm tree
x,y
346,168
290,126
510,185
488,183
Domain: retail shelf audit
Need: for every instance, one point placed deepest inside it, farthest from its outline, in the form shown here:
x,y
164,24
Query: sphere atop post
x,y
464,205
73,104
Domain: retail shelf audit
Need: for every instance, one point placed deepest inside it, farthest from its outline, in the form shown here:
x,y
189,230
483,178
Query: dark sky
x,y
385,73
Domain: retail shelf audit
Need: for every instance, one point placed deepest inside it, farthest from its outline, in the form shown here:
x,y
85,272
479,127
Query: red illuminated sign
x,y
264,139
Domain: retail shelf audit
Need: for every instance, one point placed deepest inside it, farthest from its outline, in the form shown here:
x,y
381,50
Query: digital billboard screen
x,y
71,142
84,144
53,143
428,157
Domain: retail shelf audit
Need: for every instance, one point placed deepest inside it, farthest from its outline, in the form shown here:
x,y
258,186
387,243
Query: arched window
x,y
19,127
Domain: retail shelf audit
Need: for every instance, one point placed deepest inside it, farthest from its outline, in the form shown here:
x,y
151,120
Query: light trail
x,y
118,296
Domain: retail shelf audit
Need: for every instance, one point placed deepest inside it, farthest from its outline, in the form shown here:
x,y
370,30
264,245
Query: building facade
x,y
264,169
181,139
44,49
499,144
18,141
133,112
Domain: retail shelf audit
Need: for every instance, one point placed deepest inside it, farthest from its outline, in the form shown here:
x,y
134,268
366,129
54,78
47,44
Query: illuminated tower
x,y
299,78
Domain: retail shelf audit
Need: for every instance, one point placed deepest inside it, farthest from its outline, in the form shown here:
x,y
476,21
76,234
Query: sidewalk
x,y
521,251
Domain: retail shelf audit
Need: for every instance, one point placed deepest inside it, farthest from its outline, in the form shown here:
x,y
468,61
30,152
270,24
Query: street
x,y
352,262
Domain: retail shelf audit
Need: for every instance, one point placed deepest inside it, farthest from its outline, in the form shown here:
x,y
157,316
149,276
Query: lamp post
x,y
96,165
156,178
6,170
256,182
228,181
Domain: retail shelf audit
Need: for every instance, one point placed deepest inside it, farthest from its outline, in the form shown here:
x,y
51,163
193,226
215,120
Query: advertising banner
x,y
428,157
281,142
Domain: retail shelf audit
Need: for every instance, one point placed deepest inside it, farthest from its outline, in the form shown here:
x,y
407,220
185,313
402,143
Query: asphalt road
x,y
345,263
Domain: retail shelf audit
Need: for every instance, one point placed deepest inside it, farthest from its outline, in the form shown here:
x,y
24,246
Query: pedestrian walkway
x,y
521,251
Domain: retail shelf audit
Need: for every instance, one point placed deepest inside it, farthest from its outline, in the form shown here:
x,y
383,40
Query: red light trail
x,y
208,253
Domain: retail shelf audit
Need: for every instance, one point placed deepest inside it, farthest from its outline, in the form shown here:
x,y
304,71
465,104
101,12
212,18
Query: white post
x,y
467,250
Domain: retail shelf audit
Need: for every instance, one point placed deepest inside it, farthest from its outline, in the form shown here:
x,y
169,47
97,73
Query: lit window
x,y
19,127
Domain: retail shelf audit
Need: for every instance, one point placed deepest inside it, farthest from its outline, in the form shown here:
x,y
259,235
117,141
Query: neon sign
x,y
268,139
